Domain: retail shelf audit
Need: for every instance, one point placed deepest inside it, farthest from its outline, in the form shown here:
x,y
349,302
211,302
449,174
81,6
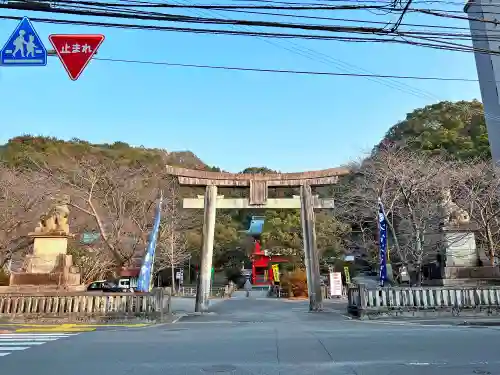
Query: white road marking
x,y
13,348
12,342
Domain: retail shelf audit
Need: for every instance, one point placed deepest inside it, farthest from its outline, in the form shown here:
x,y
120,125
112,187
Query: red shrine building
x,y
262,271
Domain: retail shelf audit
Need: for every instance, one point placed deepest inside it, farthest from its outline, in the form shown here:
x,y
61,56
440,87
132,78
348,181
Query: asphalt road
x,y
266,337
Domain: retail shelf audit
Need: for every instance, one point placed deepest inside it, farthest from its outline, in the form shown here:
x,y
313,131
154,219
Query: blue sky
x,y
228,118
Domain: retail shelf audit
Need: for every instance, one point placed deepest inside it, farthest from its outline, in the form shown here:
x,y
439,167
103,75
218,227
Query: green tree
x,y
454,128
283,234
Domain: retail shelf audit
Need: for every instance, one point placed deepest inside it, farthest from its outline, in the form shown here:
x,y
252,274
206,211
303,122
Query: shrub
x,y
4,278
295,283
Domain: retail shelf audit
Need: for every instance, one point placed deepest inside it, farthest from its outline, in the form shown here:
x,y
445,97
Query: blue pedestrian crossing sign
x,y
24,47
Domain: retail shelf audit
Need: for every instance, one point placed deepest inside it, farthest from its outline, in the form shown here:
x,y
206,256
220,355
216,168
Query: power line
x,y
155,16
284,71
300,16
202,31
213,6
398,22
188,19
380,32
216,31
396,82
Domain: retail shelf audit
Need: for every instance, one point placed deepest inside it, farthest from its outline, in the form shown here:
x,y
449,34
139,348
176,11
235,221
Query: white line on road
x,y
214,322
12,342
2,339
13,348
19,336
37,334
394,323
178,318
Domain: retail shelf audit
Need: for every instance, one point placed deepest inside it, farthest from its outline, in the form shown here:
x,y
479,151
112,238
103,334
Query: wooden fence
x,y
151,306
423,301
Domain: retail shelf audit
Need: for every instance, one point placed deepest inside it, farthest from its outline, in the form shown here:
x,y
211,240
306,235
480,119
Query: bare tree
x,y
116,196
409,183
172,248
477,188
357,203
93,263
417,180
23,198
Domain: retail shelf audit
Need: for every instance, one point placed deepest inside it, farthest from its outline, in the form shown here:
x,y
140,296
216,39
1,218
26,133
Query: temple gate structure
x,y
258,198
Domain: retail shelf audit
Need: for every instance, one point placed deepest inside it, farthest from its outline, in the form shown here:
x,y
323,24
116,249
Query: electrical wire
x,y
285,71
398,22
486,115
204,31
342,65
379,32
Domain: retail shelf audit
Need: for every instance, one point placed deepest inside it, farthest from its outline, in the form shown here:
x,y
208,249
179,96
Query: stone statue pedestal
x,y
459,246
49,266
460,260
46,251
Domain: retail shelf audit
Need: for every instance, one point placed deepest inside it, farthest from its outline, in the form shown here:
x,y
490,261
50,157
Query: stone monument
x,y
49,264
458,239
460,261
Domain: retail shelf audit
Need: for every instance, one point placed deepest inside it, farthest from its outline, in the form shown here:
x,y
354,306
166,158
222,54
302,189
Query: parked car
x,y
106,286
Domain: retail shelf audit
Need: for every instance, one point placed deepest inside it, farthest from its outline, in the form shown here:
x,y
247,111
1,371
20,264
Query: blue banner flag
x,y
144,282
382,225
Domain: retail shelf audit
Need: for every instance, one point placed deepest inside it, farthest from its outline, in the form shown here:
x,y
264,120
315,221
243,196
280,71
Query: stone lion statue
x,y
56,219
451,213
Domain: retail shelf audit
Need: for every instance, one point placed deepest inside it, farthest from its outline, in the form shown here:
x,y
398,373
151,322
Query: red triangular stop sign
x,y
76,50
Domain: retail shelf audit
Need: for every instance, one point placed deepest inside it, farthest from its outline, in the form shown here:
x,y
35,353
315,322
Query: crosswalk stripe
x,y
26,339
22,335
14,348
12,342
36,334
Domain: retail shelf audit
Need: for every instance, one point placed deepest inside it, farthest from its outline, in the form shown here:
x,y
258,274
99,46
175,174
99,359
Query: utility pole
x,y
485,40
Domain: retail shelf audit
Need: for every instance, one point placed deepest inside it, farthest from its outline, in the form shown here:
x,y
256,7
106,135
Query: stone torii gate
x,y
258,184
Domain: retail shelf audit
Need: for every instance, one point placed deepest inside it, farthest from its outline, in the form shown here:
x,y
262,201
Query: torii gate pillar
x,y
207,252
310,249
258,184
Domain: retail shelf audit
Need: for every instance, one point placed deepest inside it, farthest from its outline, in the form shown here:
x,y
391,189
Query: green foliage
x,y
16,151
283,234
282,229
227,232
457,129
256,170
